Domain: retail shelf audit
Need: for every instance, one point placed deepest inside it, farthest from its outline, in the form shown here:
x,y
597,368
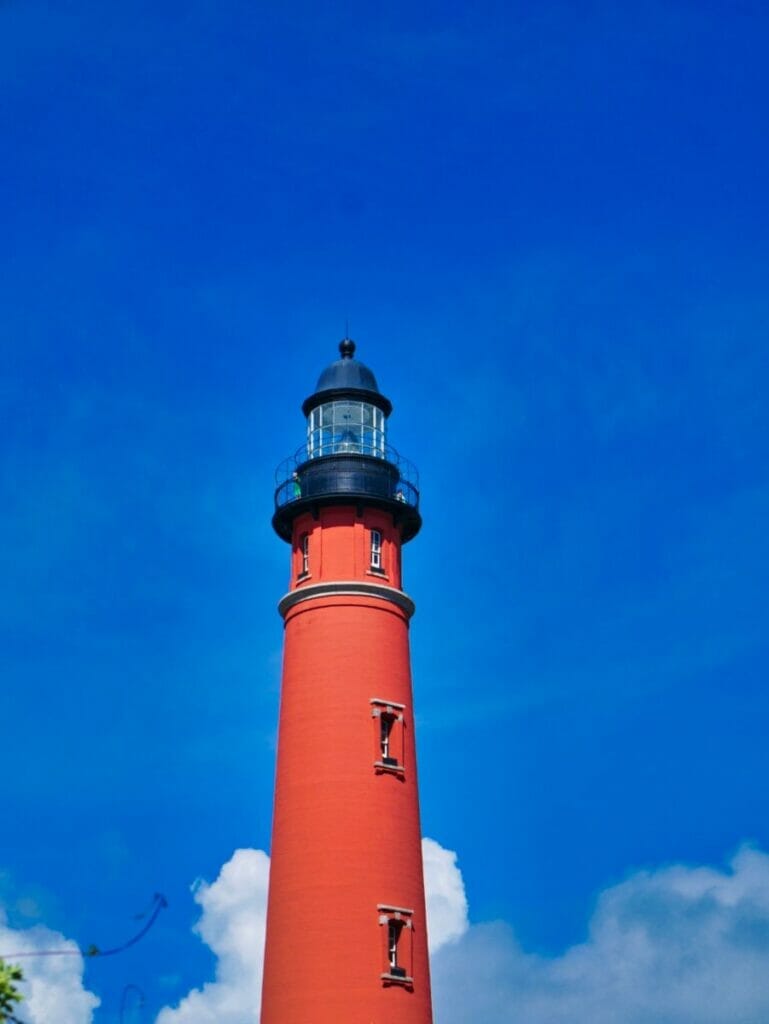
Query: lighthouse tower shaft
x,y
346,930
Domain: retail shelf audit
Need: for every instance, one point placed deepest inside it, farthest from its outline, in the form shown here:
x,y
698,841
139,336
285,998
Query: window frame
x,y
304,556
398,944
390,749
376,551
386,724
329,423
394,929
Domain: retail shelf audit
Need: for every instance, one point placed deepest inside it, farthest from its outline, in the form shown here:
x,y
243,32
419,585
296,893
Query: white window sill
x,y
396,979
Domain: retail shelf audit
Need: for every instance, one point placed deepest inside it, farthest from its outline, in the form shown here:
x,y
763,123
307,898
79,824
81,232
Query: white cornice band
x,y
347,588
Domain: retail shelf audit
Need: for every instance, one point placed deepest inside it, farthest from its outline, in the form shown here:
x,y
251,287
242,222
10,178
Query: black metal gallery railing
x,y
347,469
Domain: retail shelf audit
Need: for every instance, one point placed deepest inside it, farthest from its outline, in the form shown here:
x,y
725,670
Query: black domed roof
x,y
347,375
347,372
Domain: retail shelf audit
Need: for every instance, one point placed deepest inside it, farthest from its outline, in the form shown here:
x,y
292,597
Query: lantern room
x,y
346,455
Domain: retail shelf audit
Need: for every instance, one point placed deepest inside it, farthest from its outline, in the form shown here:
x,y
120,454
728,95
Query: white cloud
x,y
53,985
445,894
680,945
232,924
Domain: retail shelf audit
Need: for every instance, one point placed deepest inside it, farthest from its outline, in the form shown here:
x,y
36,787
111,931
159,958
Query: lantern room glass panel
x,y
338,428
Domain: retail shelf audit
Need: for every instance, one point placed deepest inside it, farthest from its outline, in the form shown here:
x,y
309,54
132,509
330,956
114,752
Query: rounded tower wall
x,y
346,834
346,925
340,543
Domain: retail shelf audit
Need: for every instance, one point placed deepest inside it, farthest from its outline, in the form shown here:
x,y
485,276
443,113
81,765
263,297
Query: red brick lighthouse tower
x,y
346,931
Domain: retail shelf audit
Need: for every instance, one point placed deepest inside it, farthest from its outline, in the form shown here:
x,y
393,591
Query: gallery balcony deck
x,y
348,470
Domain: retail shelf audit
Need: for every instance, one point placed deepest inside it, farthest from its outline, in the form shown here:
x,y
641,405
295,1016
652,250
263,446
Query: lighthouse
x,y
346,930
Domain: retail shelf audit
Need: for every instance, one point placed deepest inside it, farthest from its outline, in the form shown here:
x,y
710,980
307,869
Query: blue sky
x,y
548,230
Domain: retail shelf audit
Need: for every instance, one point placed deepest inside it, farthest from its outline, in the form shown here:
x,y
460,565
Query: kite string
x,y
160,903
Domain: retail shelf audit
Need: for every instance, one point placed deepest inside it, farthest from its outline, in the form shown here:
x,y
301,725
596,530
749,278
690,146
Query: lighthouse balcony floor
x,y
347,468
354,476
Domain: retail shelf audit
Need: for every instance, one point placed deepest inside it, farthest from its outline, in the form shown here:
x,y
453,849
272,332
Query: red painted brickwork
x,y
346,836
340,546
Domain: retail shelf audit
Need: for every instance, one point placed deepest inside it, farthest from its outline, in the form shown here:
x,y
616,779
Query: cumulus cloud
x,y
232,924
445,895
53,985
681,945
